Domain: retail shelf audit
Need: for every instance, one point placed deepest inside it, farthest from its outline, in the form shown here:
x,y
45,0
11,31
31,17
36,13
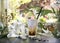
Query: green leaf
x,y
53,10
1,28
40,25
45,12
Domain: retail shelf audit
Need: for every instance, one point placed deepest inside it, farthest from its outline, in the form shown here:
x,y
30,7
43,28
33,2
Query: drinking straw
x,y
39,12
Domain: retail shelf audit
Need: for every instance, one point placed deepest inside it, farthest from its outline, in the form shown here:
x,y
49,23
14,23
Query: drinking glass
x,y
32,26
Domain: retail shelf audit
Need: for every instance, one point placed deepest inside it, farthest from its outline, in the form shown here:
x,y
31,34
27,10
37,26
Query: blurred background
x,y
14,15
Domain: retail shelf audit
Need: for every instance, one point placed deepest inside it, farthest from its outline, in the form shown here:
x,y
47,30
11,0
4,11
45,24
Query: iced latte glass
x,y
32,26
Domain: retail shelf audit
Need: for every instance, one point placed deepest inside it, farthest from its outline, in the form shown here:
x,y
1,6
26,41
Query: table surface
x,y
28,40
